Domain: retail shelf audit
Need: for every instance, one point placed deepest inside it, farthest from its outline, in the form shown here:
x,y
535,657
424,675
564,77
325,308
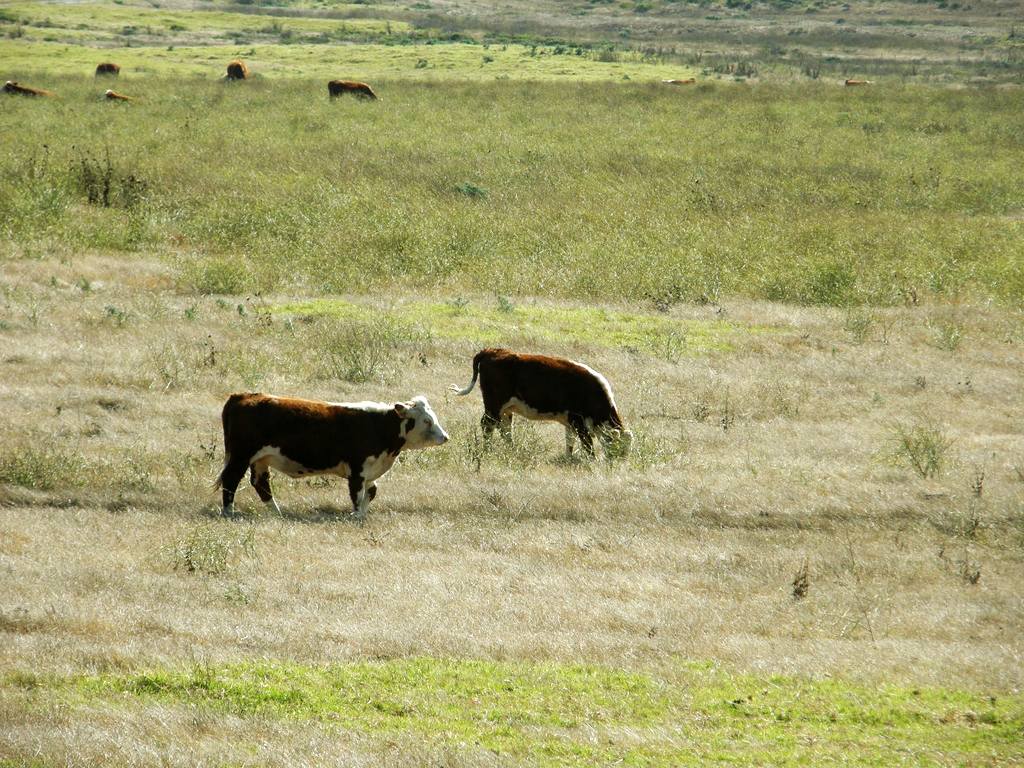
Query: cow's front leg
x,y
570,441
360,496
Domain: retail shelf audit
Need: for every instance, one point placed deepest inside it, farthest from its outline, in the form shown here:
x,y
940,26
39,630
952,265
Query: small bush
x,y
858,323
215,275
472,191
40,467
362,351
105,184
922,446
211,549
947,333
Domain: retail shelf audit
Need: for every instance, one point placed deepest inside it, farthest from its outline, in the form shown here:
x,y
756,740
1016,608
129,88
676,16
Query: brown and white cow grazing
x,y
341,87
857,82
237,70
115,96
108,68
543,388
23,90
359,441
687,81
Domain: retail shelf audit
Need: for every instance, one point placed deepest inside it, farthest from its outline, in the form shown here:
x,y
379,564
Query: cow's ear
x,y
401,409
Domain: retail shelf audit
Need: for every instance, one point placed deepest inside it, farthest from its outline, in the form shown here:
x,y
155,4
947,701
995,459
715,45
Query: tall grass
x,y
803,193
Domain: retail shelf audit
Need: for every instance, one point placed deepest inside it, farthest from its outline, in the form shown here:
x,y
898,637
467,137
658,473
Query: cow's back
x,y
548,384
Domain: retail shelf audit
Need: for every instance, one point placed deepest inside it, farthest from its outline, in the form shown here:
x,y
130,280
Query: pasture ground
x,y
509,607
807,298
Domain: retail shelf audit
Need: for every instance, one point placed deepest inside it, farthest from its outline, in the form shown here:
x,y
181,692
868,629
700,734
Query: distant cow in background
x,y
341,87
687,81
23,90
543,388
237,70
115,96
857,82
108,68
358,441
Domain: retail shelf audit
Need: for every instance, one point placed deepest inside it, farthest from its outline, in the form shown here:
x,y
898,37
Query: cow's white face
x,y
426,430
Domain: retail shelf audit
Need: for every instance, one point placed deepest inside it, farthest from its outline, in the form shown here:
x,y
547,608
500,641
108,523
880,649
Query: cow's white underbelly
x,y
519,408
372,467
271,456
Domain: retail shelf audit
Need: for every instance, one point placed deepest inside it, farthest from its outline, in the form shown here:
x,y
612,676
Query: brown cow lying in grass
x,y
23,90
341,87
857,82
687,81
543,388
115,96
237,70
108,68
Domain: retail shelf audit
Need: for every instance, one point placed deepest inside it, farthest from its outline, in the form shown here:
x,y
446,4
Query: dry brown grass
x,y
751,462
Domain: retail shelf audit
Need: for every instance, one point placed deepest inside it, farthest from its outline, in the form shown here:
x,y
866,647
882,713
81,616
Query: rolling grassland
x,y
808,300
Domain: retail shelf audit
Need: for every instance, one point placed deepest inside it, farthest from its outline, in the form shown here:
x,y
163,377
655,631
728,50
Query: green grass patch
x,y
581,191
506,321
569,714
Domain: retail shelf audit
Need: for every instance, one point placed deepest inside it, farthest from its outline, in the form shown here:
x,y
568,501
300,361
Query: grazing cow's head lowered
x,y
358,441
546,388
356,88
237,70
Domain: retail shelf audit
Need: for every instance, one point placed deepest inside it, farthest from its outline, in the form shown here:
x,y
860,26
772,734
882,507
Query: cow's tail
x,y
226,421
476,372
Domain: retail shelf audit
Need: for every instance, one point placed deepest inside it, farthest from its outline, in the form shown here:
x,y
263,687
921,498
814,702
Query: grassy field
x,y
812,194
809,301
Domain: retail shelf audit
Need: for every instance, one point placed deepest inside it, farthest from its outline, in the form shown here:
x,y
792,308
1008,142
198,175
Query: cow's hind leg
x,y
579,426
505,427
230,477
570,440
259,476
487,425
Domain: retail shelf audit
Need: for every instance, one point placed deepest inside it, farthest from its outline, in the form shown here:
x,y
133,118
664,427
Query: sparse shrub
x,y
211,548
105,184
361,351
472,191
116,314
832,284
947,333
647,451
858,323
42,467
728,417
922,446
802,581
667,295
671,346
421,64
970,571
212,275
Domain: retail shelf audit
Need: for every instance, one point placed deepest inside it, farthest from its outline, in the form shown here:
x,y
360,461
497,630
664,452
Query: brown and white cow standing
x,y
358,441
543,388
